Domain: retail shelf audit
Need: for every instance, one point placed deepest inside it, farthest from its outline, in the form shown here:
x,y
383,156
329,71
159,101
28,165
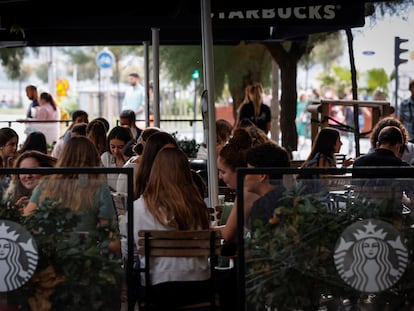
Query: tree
x,y
325,53
12,59
287,55
234,66
376,79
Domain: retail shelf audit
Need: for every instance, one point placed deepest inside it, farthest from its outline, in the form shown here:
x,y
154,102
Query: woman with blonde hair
x,y
87,193
255,110
246,99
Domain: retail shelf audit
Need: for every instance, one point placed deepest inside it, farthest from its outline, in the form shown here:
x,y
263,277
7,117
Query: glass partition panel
x,y
335,242
60,239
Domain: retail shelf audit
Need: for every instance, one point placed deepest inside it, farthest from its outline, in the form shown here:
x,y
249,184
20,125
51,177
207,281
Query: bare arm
x,y
114,243
229,231
30,207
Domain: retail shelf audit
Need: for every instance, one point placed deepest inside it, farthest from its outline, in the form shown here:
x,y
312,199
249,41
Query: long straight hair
x,y
171,194
153,145
324,143
76,191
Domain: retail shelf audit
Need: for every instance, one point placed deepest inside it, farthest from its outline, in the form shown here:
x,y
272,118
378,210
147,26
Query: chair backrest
x,y
176,243
179,243
340,158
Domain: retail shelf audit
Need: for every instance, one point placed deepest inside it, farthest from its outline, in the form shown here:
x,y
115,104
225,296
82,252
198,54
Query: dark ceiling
x,y
179,22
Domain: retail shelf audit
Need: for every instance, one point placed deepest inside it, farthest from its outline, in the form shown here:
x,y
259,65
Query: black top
x,y
263,208
380,157
264,117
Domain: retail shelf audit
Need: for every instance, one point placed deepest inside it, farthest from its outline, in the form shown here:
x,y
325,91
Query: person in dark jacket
x,y
387,151
382,187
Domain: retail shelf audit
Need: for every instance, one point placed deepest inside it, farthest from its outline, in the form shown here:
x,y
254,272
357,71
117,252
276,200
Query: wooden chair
x,y
195,243
340,159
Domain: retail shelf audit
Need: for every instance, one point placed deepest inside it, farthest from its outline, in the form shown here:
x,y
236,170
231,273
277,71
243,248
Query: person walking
x,y
31,93
406,115
134,97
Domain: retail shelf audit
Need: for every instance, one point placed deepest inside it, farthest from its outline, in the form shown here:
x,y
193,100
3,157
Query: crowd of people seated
x,y
167,193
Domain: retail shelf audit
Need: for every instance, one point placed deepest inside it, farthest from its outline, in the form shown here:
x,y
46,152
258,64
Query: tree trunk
x,y
288,99
287,60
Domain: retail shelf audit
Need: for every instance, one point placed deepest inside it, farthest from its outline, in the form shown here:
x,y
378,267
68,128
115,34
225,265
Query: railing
x,y
190,128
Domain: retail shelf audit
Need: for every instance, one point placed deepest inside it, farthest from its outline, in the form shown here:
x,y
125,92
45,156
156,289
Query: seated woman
x,y
35,141
21,185
232,156
87,193
118,138
170,202
133,161
9,140
326,144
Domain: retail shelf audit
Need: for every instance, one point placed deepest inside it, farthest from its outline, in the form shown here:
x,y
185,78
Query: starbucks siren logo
x,y
370,256
18,256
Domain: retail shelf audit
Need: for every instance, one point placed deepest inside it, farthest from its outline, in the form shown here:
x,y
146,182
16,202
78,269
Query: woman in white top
x,y
117,139
171,201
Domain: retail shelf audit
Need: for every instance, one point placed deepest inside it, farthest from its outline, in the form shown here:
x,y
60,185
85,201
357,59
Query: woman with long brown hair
x,y
87,193
170,202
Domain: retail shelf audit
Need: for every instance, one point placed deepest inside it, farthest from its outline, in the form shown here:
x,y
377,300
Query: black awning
x,y
178,21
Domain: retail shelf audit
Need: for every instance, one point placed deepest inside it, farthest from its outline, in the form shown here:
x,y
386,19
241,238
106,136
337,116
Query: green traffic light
x,y
195,75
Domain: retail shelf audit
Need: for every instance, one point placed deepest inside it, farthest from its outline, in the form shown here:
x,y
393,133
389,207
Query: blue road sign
x,y
105,59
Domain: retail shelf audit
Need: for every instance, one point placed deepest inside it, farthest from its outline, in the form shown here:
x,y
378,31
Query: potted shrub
x,y
74,271
290,260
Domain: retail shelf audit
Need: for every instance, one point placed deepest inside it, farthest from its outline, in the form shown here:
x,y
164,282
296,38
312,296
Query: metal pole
x,y
396,92
156,74
195,110
100,107
51,73
146,68
207,45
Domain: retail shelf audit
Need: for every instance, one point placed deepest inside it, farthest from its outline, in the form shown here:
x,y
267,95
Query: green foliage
x,y
70,104
85,273
189,146
289,260
235,65
377,78
324,48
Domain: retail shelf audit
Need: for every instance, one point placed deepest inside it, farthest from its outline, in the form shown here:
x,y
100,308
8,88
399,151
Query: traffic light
x,y
196,74
398,51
